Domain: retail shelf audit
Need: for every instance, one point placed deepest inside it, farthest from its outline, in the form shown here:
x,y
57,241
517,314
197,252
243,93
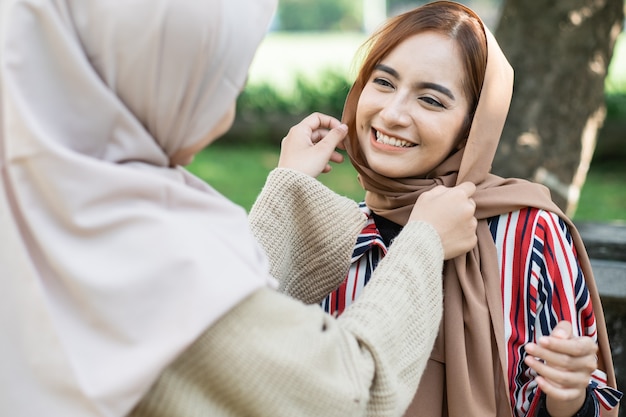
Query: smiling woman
x,y
411,113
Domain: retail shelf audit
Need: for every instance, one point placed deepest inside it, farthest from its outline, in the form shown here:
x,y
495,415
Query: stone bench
x,y
606,246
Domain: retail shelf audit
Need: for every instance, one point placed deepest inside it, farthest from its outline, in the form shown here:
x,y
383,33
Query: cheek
x,y
224,127
451,128
227,121
364,112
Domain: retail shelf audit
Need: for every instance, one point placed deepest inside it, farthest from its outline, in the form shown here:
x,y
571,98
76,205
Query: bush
x,y
616,105
265,114
319,15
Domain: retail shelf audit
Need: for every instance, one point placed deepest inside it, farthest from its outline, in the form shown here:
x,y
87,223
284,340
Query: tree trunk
x,y
560,51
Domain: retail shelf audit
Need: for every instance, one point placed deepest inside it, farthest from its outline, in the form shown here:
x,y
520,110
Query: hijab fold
x,y
113,262
469,354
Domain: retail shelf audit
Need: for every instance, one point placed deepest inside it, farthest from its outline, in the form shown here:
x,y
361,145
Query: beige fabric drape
x,y
111,262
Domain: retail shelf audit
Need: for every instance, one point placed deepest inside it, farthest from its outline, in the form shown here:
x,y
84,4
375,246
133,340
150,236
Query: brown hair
x,y
445,17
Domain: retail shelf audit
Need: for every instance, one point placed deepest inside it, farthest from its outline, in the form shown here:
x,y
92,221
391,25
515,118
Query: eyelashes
x,y
386,84
432,102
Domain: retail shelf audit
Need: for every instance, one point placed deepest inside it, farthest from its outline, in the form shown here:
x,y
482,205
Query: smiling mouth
x,y
388,140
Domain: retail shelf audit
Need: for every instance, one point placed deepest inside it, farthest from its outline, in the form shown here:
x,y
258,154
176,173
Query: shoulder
x,y
529,216
531,226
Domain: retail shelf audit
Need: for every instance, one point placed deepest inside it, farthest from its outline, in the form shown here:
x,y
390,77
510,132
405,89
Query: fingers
x,y
336,157
319,134
577,355
559,384
451,212
468,187
334,137
570,354
317,121
558,377
559,392
563,362
311,144
326,129
562,341
563,330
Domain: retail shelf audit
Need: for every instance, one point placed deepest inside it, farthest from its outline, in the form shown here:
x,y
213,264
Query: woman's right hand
x,y
451,212
311,144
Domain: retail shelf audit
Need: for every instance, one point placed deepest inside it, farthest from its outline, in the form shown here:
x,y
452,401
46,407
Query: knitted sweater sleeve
x,y
308,232
274,356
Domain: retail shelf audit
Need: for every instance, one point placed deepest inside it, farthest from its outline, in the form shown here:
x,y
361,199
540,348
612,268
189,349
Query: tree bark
x,y
560,51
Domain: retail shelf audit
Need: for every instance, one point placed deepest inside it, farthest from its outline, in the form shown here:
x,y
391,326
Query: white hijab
x,y
112,263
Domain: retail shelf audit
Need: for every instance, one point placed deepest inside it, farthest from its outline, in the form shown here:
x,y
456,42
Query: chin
x,y
187,161
388,171
391,167
184,161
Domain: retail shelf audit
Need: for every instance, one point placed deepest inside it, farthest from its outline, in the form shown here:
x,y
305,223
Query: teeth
x,y
388,140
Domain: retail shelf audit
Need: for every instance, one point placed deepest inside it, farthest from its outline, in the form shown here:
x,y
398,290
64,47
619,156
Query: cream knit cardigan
x,y
275,356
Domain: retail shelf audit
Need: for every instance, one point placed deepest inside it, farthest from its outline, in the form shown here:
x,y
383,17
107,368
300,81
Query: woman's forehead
x,y
428,54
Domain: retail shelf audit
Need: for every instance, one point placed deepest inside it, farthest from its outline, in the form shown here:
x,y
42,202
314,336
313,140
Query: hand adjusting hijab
x,y
112,262
470,349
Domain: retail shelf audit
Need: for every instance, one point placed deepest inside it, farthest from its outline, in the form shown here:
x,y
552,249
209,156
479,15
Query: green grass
x,y
603,197
239,173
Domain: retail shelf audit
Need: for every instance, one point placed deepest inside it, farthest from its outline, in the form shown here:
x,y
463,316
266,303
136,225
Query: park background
x,y
306,64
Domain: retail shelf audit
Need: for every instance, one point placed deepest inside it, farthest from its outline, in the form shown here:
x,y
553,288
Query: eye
x,y
382,82
432,102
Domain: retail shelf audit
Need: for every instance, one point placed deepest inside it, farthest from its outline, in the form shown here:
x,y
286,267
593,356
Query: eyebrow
x,y
423,84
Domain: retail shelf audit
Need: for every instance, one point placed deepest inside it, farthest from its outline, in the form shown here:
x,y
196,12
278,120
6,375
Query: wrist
x,y
584,406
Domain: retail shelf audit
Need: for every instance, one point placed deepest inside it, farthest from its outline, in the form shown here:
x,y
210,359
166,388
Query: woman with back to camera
x,y
129,286
523,321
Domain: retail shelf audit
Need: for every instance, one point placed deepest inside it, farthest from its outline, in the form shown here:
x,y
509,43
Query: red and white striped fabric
x,y
541,283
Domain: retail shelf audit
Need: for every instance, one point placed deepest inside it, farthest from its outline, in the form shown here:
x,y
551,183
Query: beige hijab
x,y
111,262
467,365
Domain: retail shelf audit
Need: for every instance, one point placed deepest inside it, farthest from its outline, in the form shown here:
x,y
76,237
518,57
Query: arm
x,y
566,364
273,356
564,368
307,231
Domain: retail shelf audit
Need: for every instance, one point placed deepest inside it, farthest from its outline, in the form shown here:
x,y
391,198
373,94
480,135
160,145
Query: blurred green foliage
x,y
306,15
326,93
265,113
616,104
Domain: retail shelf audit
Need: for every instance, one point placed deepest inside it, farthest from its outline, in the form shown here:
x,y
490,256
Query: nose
x,y
395,111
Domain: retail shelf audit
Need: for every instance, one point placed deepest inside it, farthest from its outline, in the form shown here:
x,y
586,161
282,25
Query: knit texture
x,y
272,355
308,232
400,290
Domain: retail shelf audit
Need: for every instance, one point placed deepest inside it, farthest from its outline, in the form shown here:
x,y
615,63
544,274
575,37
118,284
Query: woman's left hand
x,y
311,144
564,364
